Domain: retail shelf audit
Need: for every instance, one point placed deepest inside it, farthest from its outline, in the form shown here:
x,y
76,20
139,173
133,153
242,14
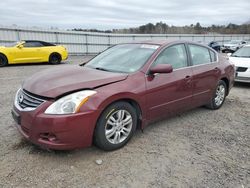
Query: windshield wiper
x,y
240,56
102,69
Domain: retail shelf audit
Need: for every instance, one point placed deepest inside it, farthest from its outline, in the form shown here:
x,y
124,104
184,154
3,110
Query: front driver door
x,y
29,52
170,93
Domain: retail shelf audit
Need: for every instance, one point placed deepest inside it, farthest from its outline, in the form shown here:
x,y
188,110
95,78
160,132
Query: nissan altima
x,y
124,88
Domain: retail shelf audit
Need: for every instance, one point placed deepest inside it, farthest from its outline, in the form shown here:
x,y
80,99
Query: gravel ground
x,y
199,148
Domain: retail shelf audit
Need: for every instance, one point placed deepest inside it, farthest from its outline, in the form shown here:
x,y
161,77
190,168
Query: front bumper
x,y
59,132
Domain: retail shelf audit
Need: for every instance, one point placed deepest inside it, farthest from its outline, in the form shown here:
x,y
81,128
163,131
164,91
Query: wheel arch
x,y
99,138
1,53
55,53
226,80
137,107
134,103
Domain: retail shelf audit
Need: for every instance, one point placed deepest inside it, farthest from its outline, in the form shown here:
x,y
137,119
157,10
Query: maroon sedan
x,y
124,88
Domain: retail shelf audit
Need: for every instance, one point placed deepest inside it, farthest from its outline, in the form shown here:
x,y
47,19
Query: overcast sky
x,y
108,14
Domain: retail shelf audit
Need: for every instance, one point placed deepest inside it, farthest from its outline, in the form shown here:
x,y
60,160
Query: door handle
x,y
187,79
216,69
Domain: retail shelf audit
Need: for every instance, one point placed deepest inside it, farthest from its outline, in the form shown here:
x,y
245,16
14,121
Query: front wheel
x,y
219,96
55,59
3,61
115,126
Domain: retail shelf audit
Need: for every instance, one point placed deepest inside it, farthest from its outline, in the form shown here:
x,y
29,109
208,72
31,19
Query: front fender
x,y
133,89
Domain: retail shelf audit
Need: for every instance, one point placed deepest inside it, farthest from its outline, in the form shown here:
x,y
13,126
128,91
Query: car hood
x,y
240,61
57,81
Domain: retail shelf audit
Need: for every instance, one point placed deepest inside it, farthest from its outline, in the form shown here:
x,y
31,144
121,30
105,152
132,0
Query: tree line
x,y
163,28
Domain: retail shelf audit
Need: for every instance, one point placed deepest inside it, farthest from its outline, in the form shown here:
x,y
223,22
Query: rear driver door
x,y
206,72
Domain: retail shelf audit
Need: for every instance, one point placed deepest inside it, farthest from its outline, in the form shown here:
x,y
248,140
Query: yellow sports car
x,y
31,51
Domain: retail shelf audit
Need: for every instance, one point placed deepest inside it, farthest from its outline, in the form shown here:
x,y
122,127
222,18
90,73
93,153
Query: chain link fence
x,y
92,43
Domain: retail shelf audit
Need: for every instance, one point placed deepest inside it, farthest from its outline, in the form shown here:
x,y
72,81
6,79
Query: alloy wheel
x,y
54,59
118,126
220,95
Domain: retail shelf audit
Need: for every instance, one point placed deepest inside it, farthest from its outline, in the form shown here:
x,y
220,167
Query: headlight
x,y
71,103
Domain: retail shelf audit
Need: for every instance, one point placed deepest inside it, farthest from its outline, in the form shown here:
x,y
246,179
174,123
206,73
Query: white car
x,y
241,60
233,45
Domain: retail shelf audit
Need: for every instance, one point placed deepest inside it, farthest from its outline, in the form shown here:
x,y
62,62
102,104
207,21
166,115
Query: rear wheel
x,y
115,126
55,59
3,60
219,96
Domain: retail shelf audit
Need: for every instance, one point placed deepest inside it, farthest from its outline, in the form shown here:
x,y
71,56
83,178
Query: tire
x,y
219,96
116,126
3,60
55,59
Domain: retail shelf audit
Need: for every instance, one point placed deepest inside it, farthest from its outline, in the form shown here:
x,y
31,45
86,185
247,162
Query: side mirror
x,y
229,54
161,68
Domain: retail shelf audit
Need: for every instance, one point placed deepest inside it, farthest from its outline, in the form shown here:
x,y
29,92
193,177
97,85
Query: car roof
x,y
165,42
32,41
237,40
42,42
157,42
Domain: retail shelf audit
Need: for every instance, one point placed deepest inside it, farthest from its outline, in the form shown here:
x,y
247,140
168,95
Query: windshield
x,y
125,58
242,52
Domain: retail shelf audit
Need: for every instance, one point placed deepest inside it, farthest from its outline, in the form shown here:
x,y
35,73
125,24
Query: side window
x,y
200,55
213,56
32,44
174,55
27,44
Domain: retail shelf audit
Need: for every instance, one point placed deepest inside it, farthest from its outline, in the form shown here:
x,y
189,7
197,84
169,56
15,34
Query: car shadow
x,y
37,150
32,64
242,85
93,150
